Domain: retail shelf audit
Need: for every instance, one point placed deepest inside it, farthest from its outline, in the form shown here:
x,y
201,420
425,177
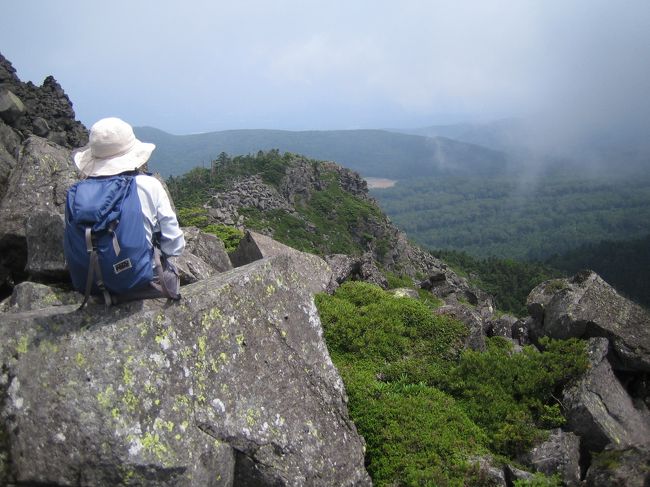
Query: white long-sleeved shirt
x,y
159,215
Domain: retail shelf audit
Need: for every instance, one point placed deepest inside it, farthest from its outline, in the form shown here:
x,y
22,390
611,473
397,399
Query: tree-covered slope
x,y
623,264
517,218
373,153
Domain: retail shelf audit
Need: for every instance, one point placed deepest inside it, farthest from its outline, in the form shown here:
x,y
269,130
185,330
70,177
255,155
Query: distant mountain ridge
x,y
373,153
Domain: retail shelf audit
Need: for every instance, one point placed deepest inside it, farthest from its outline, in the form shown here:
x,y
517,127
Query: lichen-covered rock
x,y
598,408
38,183
233,385
620,468
586,306
28,296
560,454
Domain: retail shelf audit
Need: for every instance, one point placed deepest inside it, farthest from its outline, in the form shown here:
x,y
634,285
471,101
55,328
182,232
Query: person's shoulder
x,y
147,181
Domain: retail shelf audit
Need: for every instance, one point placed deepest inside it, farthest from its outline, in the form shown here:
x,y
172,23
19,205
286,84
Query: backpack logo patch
x,y
122,266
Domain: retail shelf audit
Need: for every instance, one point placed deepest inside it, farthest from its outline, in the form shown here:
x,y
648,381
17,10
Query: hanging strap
x,y
161,276
94,270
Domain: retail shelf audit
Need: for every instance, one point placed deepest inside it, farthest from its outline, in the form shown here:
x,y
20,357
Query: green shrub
x,y
511,395
396,281
198,217
230,236
424,406
540,480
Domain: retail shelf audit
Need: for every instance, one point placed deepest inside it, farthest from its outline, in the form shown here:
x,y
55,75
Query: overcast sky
x,y
200,65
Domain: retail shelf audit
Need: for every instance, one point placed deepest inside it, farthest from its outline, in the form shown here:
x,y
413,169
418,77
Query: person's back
x,y
115,201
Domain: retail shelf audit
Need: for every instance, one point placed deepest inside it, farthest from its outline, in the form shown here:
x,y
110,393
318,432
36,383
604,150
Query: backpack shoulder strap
x,y
94,269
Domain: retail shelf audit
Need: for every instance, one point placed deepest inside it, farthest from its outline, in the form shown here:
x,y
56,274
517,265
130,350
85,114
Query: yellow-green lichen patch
x,y
181,402
46,347
80,360
23,343
127,373
151,444
240,339
106,398
161,424
252,416
209,318
270,289
131,402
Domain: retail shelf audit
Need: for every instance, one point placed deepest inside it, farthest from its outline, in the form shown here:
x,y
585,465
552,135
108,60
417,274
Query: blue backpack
x,y
105,243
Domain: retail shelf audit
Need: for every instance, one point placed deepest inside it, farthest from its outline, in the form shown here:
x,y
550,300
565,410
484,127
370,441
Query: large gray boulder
x,y
255,246
468,315
233,385
44,232
204,256
11,107
28,296
38,183
560,454
620,468
598,408
586,306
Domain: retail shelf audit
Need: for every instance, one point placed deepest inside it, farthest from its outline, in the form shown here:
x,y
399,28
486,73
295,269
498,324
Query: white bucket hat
x,y
112,149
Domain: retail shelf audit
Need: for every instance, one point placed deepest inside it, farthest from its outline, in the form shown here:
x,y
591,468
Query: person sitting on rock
x,y
113,150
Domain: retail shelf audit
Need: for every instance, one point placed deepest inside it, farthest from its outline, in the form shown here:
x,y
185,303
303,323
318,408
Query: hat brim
x,y
91,166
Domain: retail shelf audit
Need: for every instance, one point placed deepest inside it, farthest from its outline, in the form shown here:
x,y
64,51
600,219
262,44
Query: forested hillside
x,y
375,153
623,264
516,218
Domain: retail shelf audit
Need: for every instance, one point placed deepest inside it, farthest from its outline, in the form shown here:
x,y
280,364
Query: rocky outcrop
x,y
231,386
350,268
471,318
559,455
586,306
35,195
620,468
43,110
250,192
599,409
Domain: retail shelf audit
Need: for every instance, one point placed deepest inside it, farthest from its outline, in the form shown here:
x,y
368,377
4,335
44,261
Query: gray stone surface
x,y
11,108
204,256
38,183
620,468
472,319
501,326
598,408
28,296
231,386
44,232
488,473
255,246
560,454
207,247
586,306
